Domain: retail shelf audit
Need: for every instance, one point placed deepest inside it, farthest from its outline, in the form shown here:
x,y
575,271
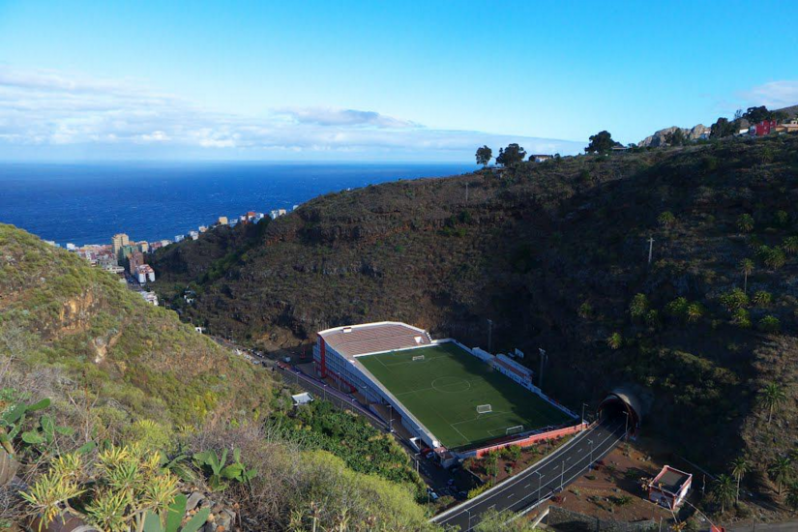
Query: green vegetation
x,y
443,392
141,410
363,448
601,142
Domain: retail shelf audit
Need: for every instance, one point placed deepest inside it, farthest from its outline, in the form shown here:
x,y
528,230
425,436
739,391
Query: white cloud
x,y
46,108
774,95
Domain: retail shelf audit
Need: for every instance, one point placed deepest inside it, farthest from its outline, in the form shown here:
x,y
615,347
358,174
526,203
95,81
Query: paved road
x,y
539,482
766,527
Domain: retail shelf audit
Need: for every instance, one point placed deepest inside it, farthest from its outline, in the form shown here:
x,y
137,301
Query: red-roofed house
x,y
669,488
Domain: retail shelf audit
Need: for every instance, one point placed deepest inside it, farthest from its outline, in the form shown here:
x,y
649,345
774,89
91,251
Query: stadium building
x,y
450,396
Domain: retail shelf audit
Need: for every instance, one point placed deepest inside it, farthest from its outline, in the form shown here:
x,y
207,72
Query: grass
x,y
443,392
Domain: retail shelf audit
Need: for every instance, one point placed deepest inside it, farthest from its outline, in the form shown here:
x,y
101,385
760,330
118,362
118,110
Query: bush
x,y
615,341
677,308
790,245
667,219
741,318
745,223
736,299
773,258
769,324
695,311
781,219
639,306
762,298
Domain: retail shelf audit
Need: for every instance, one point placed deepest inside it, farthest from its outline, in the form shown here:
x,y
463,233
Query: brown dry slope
x,y
556,255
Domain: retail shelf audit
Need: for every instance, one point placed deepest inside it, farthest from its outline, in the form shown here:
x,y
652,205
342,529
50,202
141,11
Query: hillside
x,y
556,255
130,390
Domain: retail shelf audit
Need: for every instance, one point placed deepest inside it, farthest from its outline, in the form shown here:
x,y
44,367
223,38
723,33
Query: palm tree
x,y
773,395
740,467
723,490
781,471
747,267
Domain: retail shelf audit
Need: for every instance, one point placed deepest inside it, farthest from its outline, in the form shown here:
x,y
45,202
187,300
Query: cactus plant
x,y
174,515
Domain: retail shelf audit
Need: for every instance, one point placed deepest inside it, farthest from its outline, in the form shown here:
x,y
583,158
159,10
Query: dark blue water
x,y
88,204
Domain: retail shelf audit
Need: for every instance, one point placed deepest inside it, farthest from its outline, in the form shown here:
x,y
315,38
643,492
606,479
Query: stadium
x,y
449,396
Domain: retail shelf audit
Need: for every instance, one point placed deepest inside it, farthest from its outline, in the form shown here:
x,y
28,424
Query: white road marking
x,y
525,487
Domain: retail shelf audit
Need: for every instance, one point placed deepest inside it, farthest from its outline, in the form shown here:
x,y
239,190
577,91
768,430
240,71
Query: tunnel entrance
x,y
622,405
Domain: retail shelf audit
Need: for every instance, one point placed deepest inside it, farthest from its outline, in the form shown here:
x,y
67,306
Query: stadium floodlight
x,y
514,430
418,358
484,409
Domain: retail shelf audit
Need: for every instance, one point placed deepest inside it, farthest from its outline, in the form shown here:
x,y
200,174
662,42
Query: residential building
x,y
143,246
71,247
222,220
670,487
540,158
135,260
117,242
203,228
193,234
179,238
144,273
150,297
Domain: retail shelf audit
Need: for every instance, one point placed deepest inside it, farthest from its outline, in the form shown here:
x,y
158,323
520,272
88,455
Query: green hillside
x,y
113,407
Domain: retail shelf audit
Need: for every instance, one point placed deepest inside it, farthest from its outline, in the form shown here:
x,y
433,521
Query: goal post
x,y
484,409
514,430
418,358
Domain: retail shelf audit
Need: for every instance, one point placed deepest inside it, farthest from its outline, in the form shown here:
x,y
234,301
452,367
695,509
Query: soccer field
x,y
443,392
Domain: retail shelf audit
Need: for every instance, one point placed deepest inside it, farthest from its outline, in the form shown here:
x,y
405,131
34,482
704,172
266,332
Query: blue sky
x,y
376,80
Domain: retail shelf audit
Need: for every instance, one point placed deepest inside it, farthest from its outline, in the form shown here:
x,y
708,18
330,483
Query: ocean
x,y
89,203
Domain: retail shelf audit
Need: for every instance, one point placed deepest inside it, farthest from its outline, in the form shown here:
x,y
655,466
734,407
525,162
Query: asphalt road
x,y
541,481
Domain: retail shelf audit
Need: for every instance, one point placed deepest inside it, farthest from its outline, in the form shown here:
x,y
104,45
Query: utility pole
x,y
650,249
562,475
490,336
542,362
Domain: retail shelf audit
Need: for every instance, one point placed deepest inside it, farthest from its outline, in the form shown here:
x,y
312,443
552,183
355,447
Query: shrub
x,y
736,299
667,219
585,310
677,308
769,324
781,219
615,341
741,318
790,245
745,223
773,258
762,298
639,306
695,311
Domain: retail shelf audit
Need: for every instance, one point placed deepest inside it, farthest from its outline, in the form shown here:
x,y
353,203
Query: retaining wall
x,y
529,440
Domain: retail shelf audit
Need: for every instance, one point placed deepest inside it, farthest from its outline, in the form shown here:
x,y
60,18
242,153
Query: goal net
x,y
418,357
484,409
514,430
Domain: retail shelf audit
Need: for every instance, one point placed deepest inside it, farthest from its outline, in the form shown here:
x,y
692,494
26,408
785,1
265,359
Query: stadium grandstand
x,y
449,396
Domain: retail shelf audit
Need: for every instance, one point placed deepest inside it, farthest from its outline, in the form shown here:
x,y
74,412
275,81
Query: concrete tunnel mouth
x,y
622,404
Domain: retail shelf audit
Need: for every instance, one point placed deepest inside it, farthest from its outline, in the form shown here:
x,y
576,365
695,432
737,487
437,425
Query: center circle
x,y
451,384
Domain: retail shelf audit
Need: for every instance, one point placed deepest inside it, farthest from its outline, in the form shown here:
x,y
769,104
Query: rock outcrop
x,y
660,138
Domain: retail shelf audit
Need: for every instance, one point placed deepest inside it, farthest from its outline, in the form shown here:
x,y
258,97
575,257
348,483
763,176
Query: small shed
x,y
302,398
670,487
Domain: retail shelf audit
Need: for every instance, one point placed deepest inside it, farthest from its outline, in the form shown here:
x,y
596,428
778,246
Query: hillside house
x,y
540,158
670,487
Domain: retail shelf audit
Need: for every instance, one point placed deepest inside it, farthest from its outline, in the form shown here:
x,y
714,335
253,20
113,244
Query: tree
x,y
601,142
723,128
676,138
511,155
747,267
494,521
772,396
757,114
781,471
740,467
484,155
792,496
723,491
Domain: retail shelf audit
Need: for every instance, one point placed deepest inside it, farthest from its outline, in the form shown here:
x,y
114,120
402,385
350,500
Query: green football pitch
x,y
444,389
